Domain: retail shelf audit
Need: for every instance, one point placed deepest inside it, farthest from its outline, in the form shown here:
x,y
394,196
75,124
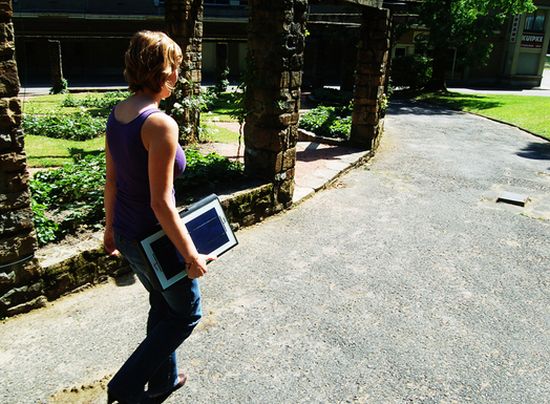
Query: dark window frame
x,y
535,22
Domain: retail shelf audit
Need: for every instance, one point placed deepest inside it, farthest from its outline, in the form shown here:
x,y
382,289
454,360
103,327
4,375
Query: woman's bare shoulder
x,y
159,127
160,120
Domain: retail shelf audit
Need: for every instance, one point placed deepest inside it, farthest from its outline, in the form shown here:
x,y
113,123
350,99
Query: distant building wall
x,y
84,28
518,56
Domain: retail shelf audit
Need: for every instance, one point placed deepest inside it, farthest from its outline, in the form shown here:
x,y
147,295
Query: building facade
x,y
95,34
518,56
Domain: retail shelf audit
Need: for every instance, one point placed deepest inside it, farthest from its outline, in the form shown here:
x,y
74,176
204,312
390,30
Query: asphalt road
x,y
404,282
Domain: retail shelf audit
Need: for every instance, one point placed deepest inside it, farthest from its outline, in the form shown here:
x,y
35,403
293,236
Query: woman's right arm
x,y
160,138
109,203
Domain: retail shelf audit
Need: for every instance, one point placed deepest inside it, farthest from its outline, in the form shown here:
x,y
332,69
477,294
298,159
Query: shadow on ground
x,y
125,280
404,107
441,104
313,153
536,151
76,151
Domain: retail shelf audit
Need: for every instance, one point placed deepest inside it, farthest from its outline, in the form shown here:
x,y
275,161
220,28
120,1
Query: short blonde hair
x,y
149,60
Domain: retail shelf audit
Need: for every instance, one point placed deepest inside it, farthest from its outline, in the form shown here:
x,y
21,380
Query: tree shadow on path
x,y
449,104
535,151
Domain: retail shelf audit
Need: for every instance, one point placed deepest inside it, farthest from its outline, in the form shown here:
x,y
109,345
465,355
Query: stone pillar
x,y
17,238
276,44
184,25
59,84
370,77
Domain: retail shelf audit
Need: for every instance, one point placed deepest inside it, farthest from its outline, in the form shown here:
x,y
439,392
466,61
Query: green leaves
x,y
79,126
462,29
46,229
203,169
104,101
462,23
66,198
328,121
412,71
87,123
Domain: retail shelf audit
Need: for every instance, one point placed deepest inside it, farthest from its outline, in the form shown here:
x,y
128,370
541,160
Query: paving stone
x,y
301,193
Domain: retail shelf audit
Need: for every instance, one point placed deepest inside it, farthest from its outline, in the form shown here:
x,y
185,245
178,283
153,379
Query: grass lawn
x,y
46,104
48,152
217,116
530,113
218,134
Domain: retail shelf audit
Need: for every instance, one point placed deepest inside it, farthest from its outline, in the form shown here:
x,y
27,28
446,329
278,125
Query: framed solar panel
x,y
209,229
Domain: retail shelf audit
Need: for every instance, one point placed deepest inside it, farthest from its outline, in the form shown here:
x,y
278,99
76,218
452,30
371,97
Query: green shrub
x,y
104,101
46,229
79,126
60,88
66,198
209,100
412,71
211,168
71,195
70,101
222,83
315,119
340,127
328,121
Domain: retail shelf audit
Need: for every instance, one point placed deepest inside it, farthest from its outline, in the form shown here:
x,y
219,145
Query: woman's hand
x,y
109,242
197,267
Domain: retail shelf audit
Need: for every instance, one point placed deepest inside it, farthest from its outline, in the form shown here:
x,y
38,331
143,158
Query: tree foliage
x,y
465,25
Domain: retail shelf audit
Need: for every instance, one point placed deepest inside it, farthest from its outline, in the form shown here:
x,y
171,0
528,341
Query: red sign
x,y
532,39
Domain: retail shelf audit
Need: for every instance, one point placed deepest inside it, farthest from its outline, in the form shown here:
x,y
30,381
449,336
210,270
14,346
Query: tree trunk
x,y
59,85
439,67
439,41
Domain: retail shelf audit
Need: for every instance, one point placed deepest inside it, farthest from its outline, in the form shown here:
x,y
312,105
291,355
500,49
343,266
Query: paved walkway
x,y
542,91
404,282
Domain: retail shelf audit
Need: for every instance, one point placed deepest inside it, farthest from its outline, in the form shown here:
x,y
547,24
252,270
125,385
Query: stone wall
x,y
19,271
370,77
39,285
276,44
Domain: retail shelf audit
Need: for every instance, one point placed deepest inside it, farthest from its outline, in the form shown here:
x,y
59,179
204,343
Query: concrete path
x,y
404,282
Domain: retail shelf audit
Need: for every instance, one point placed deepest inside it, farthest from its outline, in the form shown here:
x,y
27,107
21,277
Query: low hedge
x,y
334,122
79,126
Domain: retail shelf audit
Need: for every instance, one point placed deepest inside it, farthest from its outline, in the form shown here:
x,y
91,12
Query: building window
x,y
400,52
158,3
535,22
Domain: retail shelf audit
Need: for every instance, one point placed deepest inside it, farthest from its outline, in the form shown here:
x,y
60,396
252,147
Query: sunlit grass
x,y
45,152
48,152
215,133
528,112
49,104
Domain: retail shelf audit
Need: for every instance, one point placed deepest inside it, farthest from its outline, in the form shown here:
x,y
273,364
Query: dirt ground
x,y
93,393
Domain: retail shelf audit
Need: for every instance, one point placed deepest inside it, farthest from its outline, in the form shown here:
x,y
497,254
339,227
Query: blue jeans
x,y
173,315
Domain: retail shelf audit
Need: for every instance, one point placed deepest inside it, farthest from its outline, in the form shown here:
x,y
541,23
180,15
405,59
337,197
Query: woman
x,y
143,157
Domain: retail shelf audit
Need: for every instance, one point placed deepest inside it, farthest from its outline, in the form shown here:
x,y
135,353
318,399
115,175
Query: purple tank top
x,y
133,217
